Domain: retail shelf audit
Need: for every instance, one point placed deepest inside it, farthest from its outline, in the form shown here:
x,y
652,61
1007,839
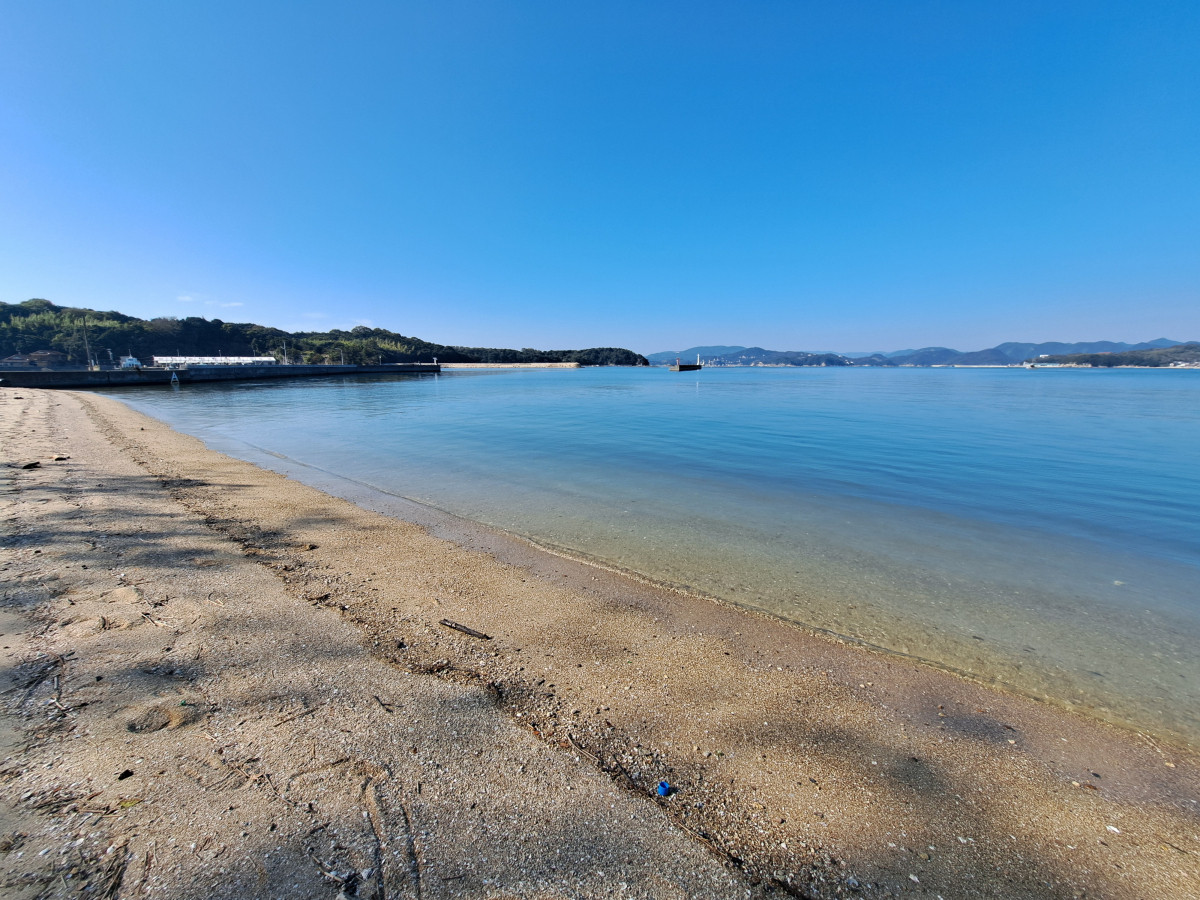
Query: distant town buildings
x,y
40,359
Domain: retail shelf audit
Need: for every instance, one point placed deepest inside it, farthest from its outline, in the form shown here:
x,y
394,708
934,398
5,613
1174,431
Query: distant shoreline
x,y
714,365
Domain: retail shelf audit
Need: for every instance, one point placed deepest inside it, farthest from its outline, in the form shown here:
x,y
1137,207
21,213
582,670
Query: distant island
x,y
72,333
1162,352
1179,356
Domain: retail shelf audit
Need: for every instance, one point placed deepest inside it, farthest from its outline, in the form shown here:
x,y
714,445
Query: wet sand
x,y
267,663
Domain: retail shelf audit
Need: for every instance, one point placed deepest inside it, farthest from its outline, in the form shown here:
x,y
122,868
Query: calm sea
x,y
1039,529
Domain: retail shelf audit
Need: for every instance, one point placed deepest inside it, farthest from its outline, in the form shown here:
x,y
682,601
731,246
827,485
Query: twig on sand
x,y
574,743
375,818
414,858
300,715
57,701
697,836
347,881
147,862
114,873
250,777
465,630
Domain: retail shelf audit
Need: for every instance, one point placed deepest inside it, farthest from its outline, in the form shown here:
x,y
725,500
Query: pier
x,y
541,365
105,378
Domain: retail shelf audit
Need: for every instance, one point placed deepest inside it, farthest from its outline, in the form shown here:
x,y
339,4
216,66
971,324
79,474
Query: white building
x,y
214,360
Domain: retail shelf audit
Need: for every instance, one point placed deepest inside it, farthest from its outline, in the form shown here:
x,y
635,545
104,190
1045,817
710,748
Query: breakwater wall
x,y
549,365
82,378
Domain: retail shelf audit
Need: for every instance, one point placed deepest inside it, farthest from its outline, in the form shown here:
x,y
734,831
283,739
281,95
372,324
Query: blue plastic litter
x,y
663,789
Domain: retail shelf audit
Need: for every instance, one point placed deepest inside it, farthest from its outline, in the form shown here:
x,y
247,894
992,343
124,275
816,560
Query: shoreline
x,y
1061,674
798,763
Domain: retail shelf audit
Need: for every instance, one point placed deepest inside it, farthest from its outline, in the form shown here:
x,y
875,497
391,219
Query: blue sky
x,y
796,175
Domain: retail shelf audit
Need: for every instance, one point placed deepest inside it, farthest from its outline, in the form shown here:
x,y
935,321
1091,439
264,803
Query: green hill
x,y
1182,353
41,325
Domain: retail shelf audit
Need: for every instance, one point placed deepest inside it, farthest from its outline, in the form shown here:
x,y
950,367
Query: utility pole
x,y
86,349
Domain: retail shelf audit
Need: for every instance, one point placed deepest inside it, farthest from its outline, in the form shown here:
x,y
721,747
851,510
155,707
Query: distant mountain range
x,y
1010,353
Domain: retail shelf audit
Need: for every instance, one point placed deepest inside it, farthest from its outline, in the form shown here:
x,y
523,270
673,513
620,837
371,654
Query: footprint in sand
x,y
173,713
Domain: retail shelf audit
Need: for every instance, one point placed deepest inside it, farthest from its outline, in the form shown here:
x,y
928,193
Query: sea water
x,y
1039,529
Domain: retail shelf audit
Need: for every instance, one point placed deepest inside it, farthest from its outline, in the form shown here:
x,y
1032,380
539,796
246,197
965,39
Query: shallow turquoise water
x,y
1034,528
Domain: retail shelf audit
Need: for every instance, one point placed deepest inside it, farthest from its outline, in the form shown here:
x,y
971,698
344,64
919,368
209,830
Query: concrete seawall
x,y
551,365
60,378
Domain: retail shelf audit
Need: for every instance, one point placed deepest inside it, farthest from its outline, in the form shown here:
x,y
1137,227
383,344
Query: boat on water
x,y
687,367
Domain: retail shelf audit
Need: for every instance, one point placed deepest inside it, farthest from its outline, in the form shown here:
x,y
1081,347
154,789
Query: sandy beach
x,y
219,681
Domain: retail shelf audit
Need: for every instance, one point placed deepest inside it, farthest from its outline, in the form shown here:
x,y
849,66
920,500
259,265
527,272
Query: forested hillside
x,y
1186,354
594,356
41,325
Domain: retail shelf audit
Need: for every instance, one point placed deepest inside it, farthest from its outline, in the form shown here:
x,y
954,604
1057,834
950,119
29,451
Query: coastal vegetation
x,y
41,325
1181,355
596,356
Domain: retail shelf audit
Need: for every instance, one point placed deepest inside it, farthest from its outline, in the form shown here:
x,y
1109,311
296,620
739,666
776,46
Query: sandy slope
x,y
267,665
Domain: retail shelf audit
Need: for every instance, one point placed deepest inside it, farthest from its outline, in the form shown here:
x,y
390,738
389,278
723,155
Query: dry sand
x,y
220,682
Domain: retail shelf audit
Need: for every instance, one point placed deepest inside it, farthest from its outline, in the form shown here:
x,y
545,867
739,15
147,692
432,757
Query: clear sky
x,y
796,175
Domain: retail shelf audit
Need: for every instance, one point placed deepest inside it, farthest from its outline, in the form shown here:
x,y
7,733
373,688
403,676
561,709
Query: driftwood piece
x,y
465,630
